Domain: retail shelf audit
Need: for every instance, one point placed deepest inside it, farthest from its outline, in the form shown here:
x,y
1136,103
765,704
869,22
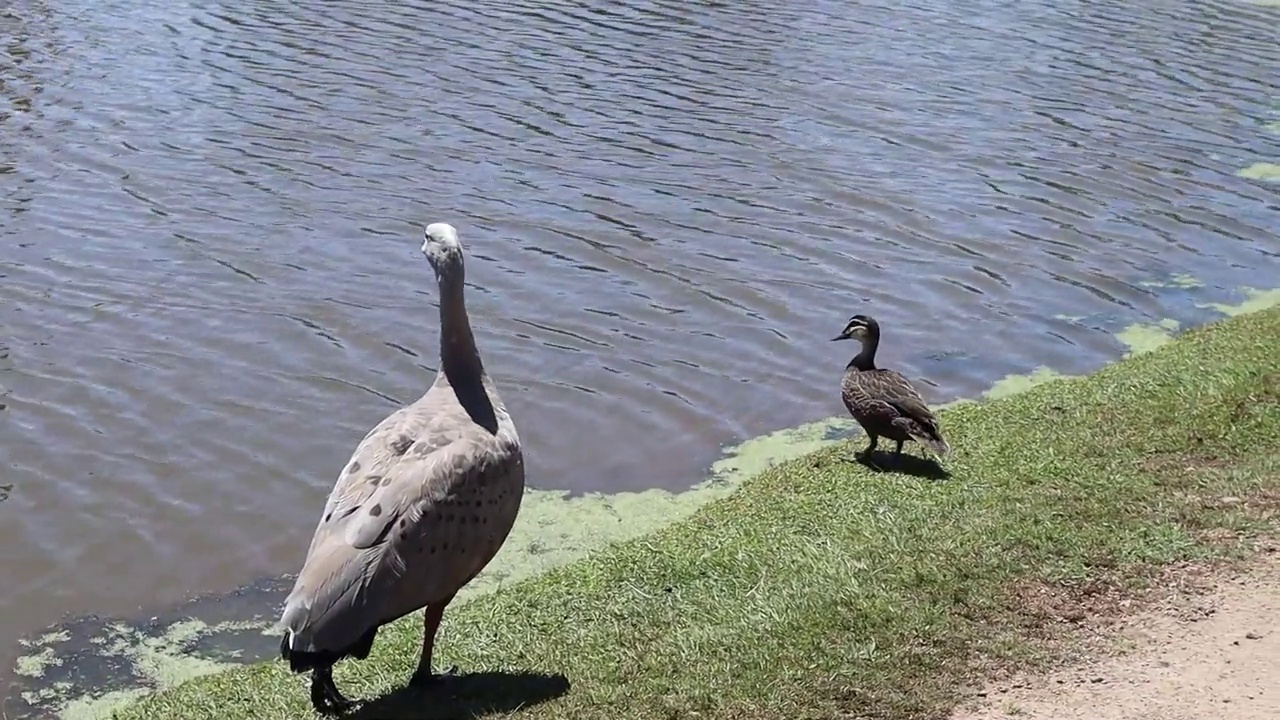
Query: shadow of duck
x,y
921,467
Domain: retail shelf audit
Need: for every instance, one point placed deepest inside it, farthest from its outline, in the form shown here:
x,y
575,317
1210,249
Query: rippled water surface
x,y
210,284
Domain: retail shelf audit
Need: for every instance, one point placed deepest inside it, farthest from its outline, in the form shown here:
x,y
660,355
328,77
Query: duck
x,y
424,503
883,401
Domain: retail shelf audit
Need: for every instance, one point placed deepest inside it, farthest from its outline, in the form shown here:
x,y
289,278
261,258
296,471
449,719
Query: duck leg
x,y
867,456
325,697
897,454
423,677
867,452
871,448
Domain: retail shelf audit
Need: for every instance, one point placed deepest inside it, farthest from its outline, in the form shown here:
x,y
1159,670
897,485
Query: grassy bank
x,y
823,590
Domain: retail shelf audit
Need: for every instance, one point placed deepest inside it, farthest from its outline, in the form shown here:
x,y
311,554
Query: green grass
x,y
822,590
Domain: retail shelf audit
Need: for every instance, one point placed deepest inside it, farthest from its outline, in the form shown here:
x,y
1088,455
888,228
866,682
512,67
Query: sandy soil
x,y
1209,655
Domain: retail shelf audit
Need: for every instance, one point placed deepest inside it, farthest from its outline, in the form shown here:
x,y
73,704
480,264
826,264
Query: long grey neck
x,y
459,358
866,358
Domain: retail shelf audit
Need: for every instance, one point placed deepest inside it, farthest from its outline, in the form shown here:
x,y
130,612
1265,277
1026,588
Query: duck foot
x,y
425,679
867,458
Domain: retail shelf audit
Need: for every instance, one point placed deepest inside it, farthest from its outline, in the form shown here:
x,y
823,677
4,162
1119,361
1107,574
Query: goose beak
x,y
839,337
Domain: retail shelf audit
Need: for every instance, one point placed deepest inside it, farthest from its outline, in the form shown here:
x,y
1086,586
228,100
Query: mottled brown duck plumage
x,y
883,401
422,506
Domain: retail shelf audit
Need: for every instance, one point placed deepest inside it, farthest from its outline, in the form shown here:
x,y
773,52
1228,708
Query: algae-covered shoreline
x,y
819,588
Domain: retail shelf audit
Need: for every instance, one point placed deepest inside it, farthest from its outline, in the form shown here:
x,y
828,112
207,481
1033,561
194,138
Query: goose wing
x,y
362,559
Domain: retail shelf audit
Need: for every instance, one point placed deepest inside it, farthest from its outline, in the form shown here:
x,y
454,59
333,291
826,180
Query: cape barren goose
x,y
883,401
423,505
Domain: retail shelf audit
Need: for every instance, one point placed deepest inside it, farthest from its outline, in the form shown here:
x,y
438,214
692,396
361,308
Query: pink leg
x,y
430,626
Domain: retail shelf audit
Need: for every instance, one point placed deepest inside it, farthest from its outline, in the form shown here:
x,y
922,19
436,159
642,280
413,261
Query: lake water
x,y
210,284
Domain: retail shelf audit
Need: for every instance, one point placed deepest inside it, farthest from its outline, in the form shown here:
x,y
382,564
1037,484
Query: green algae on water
x,y
1014,384
1255,300
103,706
35,664
1266,172
1141,338
1176,280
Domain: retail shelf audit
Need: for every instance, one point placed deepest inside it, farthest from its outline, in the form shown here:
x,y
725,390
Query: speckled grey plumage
x,y
883,401
426,501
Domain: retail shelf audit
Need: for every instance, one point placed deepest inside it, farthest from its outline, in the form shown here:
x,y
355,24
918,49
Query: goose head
x,y
443,249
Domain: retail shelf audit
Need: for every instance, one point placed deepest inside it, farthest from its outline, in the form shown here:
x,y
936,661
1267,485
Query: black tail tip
x,y
301,661
298,661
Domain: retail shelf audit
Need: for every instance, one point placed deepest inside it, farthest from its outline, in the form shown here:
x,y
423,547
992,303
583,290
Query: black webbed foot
x,y
325,697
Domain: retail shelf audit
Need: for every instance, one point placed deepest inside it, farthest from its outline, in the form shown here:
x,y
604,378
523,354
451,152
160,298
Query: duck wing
x,y
884,398
913,415
894,388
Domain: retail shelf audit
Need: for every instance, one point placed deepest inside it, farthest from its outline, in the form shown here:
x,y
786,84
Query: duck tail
x,y
935,442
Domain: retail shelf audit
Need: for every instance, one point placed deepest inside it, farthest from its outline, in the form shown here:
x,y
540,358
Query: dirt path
x,y
1211,656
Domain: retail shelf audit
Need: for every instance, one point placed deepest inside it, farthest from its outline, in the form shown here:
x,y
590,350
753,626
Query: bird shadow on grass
x,y
465,697
885,462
